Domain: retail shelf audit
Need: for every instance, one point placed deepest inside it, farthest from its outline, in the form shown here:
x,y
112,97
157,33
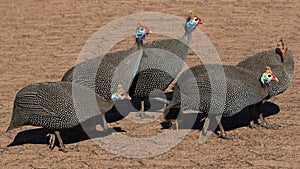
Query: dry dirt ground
x,y
40,40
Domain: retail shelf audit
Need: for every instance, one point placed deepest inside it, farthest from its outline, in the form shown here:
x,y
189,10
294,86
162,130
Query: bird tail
x,y
16,120
10,127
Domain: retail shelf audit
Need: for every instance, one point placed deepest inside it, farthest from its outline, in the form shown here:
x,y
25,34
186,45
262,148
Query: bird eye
x,y
196,19
141,29
121,94
269,75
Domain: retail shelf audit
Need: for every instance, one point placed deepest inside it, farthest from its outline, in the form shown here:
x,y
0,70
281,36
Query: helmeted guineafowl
x,y
282,62
91,73
58,106
161,63
99,74
243,88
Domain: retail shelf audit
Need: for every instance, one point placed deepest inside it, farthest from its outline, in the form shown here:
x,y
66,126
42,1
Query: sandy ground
x,y
39,41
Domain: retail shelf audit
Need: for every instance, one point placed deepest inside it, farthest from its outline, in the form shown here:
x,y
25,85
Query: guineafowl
x,y
156,58
282,62
50,105
99,74
58,106
161,63
242,88
85,73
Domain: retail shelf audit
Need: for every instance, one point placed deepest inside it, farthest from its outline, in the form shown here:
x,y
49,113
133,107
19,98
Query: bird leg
x,y
262,122
176,124
60,141
51,140
105,126
205,127
142,114
52,135
252,124
222,134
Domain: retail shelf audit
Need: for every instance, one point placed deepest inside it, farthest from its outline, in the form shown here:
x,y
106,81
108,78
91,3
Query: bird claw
x,y
51,140
270,126
266,126
225,136
254,126
142,115
65,150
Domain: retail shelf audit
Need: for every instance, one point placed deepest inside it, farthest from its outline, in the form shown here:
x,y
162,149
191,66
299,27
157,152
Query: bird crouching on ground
x,y
161,63
282,62
57,106
242,89
99,74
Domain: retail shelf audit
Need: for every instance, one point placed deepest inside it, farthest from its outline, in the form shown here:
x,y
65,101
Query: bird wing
x,y
201,89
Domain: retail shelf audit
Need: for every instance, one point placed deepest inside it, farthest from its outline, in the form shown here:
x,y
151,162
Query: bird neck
x,y
186,38
139,43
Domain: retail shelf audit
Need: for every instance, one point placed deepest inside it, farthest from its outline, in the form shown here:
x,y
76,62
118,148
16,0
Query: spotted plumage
x,y
239,88
156,58
52,105
98,73
62,105
161,63
56,106
281,61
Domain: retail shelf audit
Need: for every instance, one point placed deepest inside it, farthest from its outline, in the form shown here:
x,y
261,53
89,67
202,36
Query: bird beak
x,y
202,22
128,97
275,78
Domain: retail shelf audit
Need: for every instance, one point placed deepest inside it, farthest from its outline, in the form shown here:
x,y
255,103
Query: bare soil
x,y
41,40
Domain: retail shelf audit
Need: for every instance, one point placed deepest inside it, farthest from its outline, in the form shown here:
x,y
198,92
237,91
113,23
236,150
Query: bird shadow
x,y
241,119
69,136
118,112
122,108
79,133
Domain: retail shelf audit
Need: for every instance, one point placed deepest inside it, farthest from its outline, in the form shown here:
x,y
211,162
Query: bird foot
x,y
270,126
51,140
225,136
266,126
254,126
65,150
142,115
174,126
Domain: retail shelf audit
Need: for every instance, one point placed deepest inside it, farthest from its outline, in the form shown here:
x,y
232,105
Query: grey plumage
x,y
99,72
161,63
282,62
155,60
56,106
243,88
102,67
282,65
61,105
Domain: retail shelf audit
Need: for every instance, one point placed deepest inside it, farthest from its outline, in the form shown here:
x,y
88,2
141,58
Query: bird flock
x,y
90,88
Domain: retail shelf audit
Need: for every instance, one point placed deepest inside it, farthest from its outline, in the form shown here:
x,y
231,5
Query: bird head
x,y
120,94
192,22
141,32
268,76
